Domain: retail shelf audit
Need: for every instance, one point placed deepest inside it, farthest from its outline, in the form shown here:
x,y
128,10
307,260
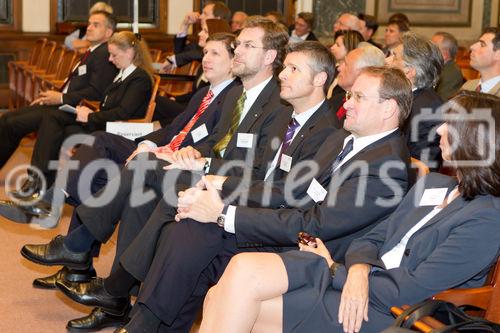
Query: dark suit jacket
x,y
91,85
185,53
455,249
264,119
424,99
303,148
123,100
336,101
210,118
339,219
450,80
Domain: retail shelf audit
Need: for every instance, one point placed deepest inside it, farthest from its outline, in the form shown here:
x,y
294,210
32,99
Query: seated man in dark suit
x,y
451,78
191,256
422,63
88,80
303,28
251,117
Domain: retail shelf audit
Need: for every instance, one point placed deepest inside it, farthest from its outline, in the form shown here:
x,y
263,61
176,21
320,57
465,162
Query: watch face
x,y
220,220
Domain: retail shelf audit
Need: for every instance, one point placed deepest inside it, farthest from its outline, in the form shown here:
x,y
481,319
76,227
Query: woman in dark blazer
x,y
444,234
129,94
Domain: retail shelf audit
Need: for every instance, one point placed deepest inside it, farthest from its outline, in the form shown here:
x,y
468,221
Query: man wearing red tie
x,y
88,80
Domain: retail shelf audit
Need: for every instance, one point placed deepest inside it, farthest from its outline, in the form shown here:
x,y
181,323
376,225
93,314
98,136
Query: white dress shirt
x,y
488,85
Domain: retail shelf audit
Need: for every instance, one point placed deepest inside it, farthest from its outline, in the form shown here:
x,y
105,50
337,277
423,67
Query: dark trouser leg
x,y
51,135
106,146
15,125
166,110
184,250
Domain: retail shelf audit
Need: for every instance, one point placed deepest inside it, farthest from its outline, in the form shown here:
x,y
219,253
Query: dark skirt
x,y
311,304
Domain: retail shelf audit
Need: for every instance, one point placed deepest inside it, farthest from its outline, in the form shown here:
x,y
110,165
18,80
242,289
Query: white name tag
x,y
130,131
286,163
316,191
245,140
82,70
199,133
433,196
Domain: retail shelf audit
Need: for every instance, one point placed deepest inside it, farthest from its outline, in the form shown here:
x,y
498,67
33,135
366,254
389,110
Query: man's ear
x,y
270,56
390,108
410,73
320,79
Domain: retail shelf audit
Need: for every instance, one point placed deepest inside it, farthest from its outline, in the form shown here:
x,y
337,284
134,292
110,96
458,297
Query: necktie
x,y
340,157
478,88
341,111
235,122
73,73
179,138
290,131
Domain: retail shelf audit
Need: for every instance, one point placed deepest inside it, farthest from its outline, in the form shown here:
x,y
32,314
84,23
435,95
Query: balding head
x,y
365,55
347,21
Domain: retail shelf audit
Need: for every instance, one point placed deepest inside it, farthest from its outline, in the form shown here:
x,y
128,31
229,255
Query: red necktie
x,y
341,111
177,140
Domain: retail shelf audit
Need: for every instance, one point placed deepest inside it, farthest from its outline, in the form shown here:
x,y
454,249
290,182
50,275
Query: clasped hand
x,y
201,203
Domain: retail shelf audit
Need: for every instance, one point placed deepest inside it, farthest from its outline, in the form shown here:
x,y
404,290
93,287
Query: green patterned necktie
x,y
235,122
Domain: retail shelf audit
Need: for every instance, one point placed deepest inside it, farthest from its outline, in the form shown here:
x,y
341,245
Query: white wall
x,y
36,15
176,11
303,6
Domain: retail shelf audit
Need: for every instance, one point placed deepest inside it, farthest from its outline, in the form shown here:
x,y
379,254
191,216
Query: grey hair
x,y
422,55
449,43
370,56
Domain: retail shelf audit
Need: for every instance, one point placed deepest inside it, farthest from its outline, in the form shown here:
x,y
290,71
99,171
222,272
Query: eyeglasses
x,y
245,45
359,96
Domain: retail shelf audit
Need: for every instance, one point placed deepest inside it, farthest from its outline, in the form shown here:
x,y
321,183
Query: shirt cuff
x,y
62,98
148,143
181,34
229,220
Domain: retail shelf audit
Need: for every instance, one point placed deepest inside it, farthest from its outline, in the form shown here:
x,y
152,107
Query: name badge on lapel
x,y
244,140
82,70
286,162
433,196
199,133
316,191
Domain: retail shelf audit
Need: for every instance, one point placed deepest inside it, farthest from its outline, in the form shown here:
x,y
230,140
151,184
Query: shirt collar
x,y
123,73
303,37
303,117
489,84
92,48
216,90
254,92
364,141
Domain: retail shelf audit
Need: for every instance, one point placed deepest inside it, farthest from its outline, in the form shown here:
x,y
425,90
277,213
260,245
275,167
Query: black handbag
x,y
454,319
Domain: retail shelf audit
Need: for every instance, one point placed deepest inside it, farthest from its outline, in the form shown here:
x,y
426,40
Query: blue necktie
x,y
290,131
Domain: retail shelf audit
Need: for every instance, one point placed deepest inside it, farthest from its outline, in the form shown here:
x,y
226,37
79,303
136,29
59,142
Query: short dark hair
x,y
449,42
496,40
220,10
393,85
110,18
275,37
399,17
308,18
226,38
475,180
370,21
320,59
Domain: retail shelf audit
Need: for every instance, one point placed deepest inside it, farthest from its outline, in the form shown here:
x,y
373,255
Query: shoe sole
x,y
44,263
75,329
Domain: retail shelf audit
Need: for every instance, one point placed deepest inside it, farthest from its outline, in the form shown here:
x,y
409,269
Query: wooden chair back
x,y
486,298
422,168
155,55
148,117
176,88
68,61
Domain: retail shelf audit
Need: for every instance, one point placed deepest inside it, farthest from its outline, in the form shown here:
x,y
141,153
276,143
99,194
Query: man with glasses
x,y
368,166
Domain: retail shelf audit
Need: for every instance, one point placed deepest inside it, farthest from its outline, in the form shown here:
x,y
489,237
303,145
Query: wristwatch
x,y
221,219
333,269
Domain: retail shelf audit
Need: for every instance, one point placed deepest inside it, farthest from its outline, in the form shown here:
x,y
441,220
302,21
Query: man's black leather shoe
x,y
55,253
93,294
97,320
14,212
30,190
65,273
